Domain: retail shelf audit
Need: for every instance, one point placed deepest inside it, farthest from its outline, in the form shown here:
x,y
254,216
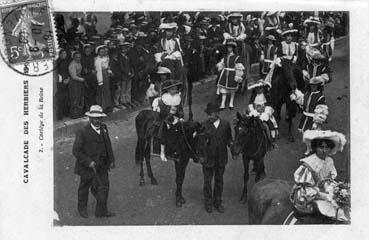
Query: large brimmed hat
x,y
125,44
100,47
170,83
316,81
168,26
163,70
231,42
312,20
337,138
258,83
95,112
289,30
212,107
271,37
317,55
234,15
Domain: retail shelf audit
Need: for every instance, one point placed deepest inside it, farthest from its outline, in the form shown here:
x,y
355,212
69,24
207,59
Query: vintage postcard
x,y
159,119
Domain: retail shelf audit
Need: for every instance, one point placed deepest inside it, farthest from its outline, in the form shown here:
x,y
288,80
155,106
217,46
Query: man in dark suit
x,y
93,151
219,136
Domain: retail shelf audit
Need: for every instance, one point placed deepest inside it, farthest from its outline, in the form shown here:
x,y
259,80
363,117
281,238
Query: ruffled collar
x,y
171,100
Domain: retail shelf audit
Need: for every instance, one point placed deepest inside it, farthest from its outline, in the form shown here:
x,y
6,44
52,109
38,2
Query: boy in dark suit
x,y
219,135
93,151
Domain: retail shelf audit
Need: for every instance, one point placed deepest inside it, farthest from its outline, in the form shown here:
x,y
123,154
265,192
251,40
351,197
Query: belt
x,y
230,69
268,61
308,114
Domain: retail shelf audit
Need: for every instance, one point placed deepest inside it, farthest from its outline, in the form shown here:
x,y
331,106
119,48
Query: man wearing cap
x,y
122,75
94,158
76,86
219,135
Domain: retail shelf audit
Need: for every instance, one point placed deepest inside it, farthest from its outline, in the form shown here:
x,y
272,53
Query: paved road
x,y
149,204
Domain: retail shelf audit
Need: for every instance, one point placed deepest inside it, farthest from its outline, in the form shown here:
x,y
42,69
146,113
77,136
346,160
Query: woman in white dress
x,y
103,73
314,179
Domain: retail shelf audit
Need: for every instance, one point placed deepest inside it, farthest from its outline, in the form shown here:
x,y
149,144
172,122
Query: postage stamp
x,y
28,44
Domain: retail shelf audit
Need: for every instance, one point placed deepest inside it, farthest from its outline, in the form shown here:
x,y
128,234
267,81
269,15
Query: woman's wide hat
x,y
163,70
95,112
170,83
235,15
289,29
337,138
312,20
271,37
258,83
231,42
316,81
211,108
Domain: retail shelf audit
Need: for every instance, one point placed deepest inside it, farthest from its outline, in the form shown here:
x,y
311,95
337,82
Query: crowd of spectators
x,y
114,68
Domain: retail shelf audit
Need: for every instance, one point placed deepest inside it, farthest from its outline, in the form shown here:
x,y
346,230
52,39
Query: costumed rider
x,y
259,106
231,72
288,48
171,110
154,90
315,191
312,31
169,50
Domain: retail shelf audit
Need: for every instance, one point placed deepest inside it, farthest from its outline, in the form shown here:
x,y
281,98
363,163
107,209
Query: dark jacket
x,y
88,146
217,141
121,68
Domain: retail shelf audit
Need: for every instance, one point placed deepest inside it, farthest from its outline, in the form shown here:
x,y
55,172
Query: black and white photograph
x,y
202,117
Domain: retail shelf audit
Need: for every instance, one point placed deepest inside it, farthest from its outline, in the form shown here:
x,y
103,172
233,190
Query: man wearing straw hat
x,y
93,151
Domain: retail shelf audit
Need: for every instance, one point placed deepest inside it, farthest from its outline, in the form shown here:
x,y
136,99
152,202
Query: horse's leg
x,y
180,168
291,138
291,113
142,178
148,165
260,172
246,161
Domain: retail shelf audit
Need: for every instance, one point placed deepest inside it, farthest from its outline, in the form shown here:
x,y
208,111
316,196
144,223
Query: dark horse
x,y
269,203
184,141
285,79
252,139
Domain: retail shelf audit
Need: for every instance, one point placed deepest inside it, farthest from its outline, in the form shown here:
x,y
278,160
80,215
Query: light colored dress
x,y
311,184
103,96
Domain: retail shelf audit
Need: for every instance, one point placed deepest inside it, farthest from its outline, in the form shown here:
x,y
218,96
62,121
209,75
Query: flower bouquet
x,y
320,116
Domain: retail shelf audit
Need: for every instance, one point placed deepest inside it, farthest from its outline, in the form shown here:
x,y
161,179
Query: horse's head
x,y
244,132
